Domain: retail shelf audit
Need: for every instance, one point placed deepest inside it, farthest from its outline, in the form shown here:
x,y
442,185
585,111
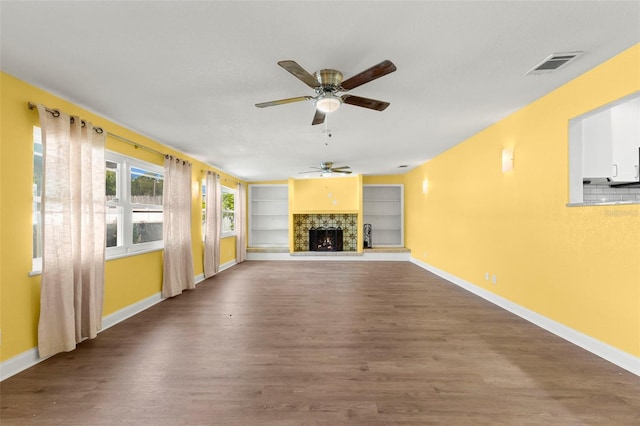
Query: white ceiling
x,y
188,73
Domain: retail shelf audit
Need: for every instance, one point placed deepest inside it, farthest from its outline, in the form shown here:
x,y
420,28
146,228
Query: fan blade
x,y
365,102
300,73
376,71
284,101
318,118
341,167
341,171
311,171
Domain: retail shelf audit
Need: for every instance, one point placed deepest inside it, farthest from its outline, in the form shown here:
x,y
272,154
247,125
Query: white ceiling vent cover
x,y
552,63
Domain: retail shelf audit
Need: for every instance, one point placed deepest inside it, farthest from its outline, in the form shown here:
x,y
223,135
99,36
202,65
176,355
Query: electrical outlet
x,y
486,276
494,279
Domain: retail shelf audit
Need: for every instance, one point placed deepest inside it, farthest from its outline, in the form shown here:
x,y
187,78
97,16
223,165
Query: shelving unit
x,y
268,216
384,210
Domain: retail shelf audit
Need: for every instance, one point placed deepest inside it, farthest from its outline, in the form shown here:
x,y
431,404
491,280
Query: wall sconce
x,y
425,186
507,160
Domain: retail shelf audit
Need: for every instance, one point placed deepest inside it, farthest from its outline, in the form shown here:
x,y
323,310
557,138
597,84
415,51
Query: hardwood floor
x,y
323,343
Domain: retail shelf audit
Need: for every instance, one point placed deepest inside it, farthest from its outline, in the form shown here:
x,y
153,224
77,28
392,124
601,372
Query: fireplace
x,y
304,222
325,239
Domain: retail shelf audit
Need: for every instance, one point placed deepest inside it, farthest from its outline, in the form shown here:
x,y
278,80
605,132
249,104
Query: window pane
x,y
228,222
111,181
228,201
37,230
146,187
147,225
37,194
113,226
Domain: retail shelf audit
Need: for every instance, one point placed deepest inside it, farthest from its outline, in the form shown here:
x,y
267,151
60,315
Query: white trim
x,y
227,265
19,363
29,358
268,255
387,256
129,311
329,256
603,350
229,190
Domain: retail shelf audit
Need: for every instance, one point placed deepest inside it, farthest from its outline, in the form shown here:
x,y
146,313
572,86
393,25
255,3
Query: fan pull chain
x,y
326,130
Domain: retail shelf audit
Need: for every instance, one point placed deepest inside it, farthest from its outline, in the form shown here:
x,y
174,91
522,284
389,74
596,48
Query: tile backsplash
x,y
605,193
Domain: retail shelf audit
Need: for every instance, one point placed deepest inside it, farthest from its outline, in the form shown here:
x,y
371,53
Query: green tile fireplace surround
x,y
347,222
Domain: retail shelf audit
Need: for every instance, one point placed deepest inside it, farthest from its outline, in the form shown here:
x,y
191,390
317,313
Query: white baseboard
x,y
227,265
603,350
391,257
129,311
268,256
19,363
395,257
29,358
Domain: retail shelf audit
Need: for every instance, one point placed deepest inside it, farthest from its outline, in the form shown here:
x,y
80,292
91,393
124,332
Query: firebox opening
x,y
325,239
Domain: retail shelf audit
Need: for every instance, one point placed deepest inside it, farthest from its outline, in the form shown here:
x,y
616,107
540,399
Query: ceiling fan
x,y
327,168
328,82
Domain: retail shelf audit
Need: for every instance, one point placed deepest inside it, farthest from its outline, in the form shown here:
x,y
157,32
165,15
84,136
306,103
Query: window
x,y
228,212
134,205
37,200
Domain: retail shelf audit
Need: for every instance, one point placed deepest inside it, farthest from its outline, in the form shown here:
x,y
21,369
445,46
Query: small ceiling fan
x,y
327,168
328,82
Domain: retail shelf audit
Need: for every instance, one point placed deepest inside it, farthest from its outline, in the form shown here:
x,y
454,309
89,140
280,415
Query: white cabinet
x,y
268,216
611,139
625,139
384,210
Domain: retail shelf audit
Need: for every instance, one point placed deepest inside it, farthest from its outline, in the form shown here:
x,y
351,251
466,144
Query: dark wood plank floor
x,y
324,343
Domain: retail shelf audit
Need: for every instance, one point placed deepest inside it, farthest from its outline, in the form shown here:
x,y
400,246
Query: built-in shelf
x,y
269,216
383,208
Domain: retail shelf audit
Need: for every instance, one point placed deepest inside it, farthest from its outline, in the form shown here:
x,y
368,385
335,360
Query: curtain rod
x,y
56,113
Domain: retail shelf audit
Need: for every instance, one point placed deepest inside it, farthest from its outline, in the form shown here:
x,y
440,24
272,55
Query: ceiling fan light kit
x,y
328,102
328,82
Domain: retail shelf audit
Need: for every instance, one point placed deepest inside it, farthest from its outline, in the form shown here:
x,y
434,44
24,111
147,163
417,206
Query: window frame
x,y
36,213
234,192
124,203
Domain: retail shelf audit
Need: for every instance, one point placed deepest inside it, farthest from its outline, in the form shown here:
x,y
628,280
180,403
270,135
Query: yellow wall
x,y
326,195
128,280
383,180
576,265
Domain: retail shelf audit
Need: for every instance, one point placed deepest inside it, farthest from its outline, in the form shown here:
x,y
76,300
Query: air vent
x,y
553,62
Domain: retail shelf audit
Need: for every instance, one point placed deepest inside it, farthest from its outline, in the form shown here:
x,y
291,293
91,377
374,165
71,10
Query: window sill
x,y
227,235
132,253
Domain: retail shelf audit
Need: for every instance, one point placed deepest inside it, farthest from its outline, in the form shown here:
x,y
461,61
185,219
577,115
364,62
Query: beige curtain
x,y
176,228
213,224
72,282
241,228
